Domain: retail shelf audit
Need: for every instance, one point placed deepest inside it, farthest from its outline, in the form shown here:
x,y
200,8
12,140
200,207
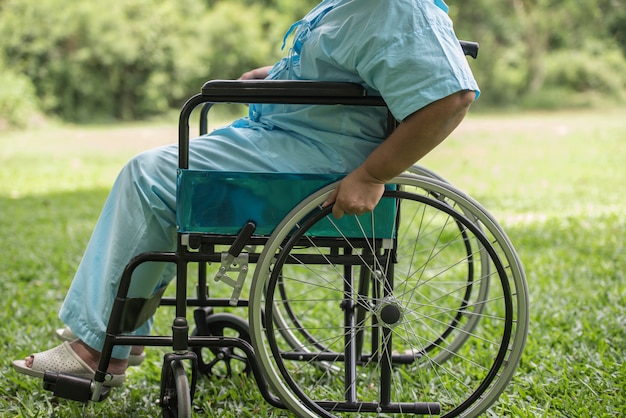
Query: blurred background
x,y
126,60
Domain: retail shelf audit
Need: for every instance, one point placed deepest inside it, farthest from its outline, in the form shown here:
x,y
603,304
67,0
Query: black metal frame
x,y
219,91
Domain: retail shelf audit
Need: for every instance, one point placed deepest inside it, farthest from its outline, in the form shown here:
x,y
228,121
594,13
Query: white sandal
x,y
63,359
66,334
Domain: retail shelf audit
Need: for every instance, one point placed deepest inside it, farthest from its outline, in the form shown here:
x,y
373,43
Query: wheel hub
x,y
389,312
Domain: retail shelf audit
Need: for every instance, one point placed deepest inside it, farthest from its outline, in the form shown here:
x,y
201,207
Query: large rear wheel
x,y
420,306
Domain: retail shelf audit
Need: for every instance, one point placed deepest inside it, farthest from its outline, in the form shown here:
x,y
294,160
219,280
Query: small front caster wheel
x,y
176,394
222,362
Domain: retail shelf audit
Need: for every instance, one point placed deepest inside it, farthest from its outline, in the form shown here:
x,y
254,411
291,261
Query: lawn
x,y
553,180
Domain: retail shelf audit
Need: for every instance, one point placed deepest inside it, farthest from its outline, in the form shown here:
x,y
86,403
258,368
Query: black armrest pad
x,y
288,91
283,88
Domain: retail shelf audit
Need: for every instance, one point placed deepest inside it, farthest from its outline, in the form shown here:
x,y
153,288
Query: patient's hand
x,y
256,74
357,193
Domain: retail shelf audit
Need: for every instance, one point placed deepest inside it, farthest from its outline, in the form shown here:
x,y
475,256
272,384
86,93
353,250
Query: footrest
x,y
71,387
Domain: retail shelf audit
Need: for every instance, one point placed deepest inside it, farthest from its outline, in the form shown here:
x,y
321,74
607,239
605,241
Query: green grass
x,y
553,180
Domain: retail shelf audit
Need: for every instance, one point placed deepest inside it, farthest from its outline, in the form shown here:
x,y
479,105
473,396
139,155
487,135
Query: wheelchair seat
x,y
219,202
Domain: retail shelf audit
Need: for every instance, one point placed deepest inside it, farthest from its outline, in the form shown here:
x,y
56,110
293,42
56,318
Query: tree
x,y
135,58
530,47
101,59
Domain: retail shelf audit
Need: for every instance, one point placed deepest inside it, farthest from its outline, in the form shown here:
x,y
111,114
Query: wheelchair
x,y
418,308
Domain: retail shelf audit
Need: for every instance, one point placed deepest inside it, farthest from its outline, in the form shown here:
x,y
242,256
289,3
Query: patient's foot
x,y
76,359
91,357
137,350
137,354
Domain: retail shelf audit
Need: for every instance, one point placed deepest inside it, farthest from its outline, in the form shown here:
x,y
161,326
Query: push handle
x,y
470,48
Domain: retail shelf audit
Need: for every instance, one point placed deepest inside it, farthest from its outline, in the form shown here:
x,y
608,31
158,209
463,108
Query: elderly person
x,y
404,50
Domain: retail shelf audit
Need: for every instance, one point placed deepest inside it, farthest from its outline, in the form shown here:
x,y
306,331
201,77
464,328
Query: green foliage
x,y
131,59
525,45
591,68
240,39
18,102
99,60
102,59
585,77
617,28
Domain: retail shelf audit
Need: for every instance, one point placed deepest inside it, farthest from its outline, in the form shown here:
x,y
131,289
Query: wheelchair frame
x,y
269,363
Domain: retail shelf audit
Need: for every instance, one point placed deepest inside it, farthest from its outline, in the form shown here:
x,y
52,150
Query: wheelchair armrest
x,y
284,88
288,92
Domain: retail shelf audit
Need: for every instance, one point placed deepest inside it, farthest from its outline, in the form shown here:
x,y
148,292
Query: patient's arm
x,y
416,136
256,74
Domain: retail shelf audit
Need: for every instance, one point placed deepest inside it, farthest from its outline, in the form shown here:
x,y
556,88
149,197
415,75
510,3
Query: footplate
x,y
72,387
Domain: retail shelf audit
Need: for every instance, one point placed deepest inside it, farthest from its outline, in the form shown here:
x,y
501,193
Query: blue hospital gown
x,y
404,50
410,59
